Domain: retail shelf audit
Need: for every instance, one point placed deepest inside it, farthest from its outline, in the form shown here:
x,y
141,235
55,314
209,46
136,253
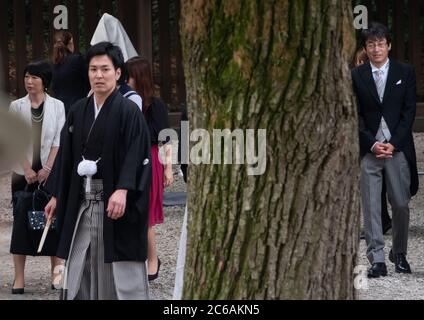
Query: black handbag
x,y
36,216
32,204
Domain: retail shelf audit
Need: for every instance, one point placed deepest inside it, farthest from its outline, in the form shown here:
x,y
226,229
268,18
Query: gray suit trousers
x,y
398,180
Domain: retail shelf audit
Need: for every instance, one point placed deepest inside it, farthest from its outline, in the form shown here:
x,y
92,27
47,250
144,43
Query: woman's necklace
x,y
39,118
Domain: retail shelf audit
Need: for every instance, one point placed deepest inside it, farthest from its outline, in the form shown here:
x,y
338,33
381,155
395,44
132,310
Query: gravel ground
x,y
402,286
37,275
394,286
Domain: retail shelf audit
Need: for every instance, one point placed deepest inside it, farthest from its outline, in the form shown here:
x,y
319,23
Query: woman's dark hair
x,y
61,40
375,31
108,49
124,75
361,55
41,69
139,69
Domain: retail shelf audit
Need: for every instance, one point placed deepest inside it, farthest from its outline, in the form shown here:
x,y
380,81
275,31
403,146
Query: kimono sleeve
x,y
137,152
62,163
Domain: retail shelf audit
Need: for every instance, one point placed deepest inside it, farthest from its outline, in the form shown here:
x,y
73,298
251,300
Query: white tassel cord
x,y
88,169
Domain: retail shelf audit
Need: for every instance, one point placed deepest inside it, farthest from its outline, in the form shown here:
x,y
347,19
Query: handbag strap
x,y
42,192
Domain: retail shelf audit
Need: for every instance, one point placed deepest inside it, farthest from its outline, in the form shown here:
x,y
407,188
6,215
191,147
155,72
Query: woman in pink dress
x,y
156,115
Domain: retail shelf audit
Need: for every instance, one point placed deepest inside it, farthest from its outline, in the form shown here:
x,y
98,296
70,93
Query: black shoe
x,y
377,269
156,275
17,290
387,227
401,264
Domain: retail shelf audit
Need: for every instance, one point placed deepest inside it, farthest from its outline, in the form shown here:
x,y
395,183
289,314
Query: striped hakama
x,y
87,276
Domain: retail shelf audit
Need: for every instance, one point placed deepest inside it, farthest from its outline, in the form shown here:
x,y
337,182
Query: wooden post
x,y
121,9
90,14
37,30
398,27
382,11
20,44
4,47
106,6
144,37
181,88
416,54
129,12
73,23
165,51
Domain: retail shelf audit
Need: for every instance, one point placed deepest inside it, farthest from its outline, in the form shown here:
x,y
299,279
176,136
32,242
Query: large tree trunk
x,y
282,66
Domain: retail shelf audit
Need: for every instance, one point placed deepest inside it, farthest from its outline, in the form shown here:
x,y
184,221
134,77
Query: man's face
x,y
102,75
377,50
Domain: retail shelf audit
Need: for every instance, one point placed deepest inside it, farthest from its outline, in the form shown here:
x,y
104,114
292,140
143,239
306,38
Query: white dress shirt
x,y
385,70
383,129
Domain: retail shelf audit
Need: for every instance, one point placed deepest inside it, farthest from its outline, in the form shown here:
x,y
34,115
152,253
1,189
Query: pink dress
x,y
156,189
156,116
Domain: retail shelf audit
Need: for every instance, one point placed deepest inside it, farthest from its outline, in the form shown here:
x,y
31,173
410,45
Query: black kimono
x,y
120,136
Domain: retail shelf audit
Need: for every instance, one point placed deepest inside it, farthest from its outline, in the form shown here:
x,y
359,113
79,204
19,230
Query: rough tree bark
x,y
280,65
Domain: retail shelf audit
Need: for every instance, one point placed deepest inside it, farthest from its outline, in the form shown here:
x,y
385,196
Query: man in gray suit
x,y
386,101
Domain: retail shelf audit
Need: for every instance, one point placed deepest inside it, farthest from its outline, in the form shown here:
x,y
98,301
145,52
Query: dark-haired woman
x,y
156,114
46,116
70,77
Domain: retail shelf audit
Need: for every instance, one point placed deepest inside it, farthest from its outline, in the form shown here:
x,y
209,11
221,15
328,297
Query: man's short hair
x,y
375,31
108,49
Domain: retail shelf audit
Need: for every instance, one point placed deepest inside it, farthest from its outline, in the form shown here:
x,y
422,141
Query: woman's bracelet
x,y
47,168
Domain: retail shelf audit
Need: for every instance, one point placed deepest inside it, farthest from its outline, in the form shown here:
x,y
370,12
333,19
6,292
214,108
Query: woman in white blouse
x,y
46,116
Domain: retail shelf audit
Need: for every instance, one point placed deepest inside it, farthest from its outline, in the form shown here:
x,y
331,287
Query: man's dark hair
x,y
375,31
108,49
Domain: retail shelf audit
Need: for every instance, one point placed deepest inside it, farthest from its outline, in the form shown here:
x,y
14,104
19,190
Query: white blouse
x,y
53,121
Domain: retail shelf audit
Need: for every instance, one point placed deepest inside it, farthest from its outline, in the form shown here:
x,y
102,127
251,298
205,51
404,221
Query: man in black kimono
x,y
100,183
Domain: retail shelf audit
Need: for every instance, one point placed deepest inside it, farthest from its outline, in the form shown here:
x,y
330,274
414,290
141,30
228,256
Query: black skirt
x,y
24,240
